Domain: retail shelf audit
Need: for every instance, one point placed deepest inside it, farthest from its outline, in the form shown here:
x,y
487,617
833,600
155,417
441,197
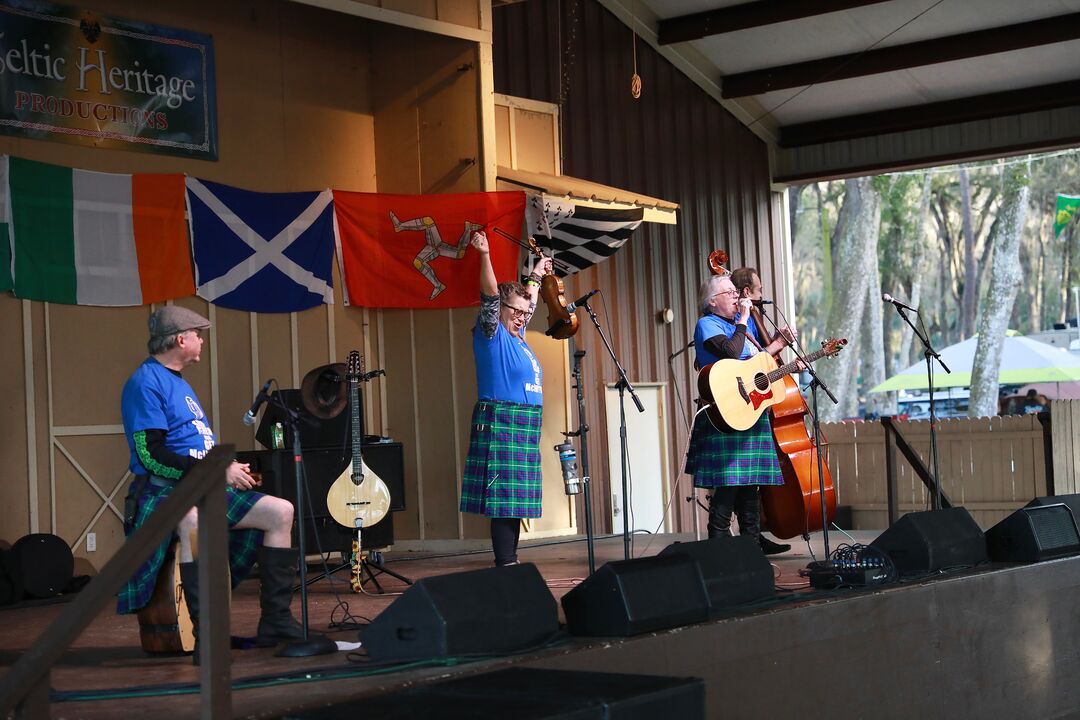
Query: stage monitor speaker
x,y
1034,534
322,468
314,432
932,540
735,569
44,563
627,597
491,611
1070,501
534,694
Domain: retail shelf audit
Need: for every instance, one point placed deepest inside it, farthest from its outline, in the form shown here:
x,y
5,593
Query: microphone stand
x,y
815,383
930,354
582,433
692,498
623,385
309,645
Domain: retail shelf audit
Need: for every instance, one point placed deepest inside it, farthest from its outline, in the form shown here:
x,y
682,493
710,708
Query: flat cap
x,y
173,319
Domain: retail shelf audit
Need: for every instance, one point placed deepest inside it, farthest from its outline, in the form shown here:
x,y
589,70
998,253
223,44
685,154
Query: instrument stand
x,y
370,566
311,644
623,385
930,354
582,433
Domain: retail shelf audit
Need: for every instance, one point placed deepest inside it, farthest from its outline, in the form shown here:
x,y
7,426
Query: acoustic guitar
x,y
358,498
736,392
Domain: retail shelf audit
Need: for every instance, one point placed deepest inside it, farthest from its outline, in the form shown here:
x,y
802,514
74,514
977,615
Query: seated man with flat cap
x,y
168,433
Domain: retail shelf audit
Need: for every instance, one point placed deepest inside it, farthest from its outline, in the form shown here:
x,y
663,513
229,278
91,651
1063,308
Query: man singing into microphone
x,y
168,433
731,464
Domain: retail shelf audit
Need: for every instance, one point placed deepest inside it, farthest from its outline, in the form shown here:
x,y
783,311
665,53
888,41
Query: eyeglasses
x,y
515,312
730,293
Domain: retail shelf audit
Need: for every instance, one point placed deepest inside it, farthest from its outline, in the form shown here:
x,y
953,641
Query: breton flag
x,y
581,236
261,252
92,238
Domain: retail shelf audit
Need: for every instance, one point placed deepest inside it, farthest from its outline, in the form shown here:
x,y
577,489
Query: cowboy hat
x,y
324,392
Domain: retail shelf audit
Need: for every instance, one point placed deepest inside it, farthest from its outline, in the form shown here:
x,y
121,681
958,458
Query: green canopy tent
x,y
1023,361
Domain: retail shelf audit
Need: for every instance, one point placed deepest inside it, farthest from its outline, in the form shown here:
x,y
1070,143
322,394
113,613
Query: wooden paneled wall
x,y
301,94
674,143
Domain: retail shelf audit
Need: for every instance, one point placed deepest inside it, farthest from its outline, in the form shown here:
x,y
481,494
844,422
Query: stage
x,y
993,641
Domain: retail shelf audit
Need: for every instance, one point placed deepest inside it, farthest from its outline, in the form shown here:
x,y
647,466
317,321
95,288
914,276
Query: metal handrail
x,y
25,687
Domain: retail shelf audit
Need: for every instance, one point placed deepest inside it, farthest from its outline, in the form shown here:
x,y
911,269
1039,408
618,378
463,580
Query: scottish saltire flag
x,y
581,236
261,252
93,238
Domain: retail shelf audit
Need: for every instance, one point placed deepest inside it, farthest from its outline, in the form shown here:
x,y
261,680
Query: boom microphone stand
x,y
311,644
815,383
624,386
930,354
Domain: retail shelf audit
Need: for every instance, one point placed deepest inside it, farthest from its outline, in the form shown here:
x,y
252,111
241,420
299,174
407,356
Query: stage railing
x,y
25,687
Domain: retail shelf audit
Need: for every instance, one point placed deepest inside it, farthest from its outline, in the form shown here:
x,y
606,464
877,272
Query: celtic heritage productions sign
x,y
80,77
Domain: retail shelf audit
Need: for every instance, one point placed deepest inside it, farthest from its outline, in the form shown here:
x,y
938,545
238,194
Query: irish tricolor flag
x,y
91,238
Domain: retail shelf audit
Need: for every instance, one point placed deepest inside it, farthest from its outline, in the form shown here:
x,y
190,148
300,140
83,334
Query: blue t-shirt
x,y
156,398
506,368
712,325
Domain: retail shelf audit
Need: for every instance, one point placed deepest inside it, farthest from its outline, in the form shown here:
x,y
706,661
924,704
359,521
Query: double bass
x,y
793,508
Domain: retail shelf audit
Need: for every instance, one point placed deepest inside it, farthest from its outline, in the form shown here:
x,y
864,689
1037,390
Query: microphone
x,y
761,303
249,416
580,301
890,299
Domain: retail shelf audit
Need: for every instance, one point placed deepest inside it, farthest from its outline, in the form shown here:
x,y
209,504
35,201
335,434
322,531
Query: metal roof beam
x,y
748,15
947,112
900,57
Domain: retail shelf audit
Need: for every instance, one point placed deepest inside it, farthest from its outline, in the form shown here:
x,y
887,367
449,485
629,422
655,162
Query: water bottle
x,y
568,461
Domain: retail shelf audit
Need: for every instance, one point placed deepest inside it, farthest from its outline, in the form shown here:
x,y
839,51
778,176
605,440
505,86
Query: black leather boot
x,y
189,576
277,571
771,548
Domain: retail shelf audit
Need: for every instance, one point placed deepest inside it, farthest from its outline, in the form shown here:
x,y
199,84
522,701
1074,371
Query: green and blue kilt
x,y
243,545
502,472
720,459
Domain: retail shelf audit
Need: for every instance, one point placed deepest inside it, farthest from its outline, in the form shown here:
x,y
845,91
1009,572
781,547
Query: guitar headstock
x,y
832,346
354,365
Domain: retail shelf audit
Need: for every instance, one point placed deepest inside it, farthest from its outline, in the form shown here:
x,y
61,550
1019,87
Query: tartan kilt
x,y
722,459
502,476
243,545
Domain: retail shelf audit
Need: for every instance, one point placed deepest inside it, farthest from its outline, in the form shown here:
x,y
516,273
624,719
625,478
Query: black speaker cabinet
x,y
932,540
1033,534
44,563
534,694
628,597
1070,501
314,432
492,611
322,467
735,569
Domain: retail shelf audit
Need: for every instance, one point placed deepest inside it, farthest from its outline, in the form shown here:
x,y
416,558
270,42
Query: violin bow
x,y
558,264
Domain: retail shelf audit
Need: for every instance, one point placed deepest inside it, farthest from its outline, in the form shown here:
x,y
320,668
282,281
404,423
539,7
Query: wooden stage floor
x,y
107,657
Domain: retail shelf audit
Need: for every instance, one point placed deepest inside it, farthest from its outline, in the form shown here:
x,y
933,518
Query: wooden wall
x,y
302,95
991,466
675,143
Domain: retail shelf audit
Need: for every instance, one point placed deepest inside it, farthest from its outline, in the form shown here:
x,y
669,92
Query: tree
x,y
1005,277
855,246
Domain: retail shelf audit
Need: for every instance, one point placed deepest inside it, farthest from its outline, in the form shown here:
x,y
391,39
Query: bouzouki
x,y
736,392
358,498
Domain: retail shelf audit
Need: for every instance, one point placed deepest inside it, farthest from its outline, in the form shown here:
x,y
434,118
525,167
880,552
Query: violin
x,y
562,324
